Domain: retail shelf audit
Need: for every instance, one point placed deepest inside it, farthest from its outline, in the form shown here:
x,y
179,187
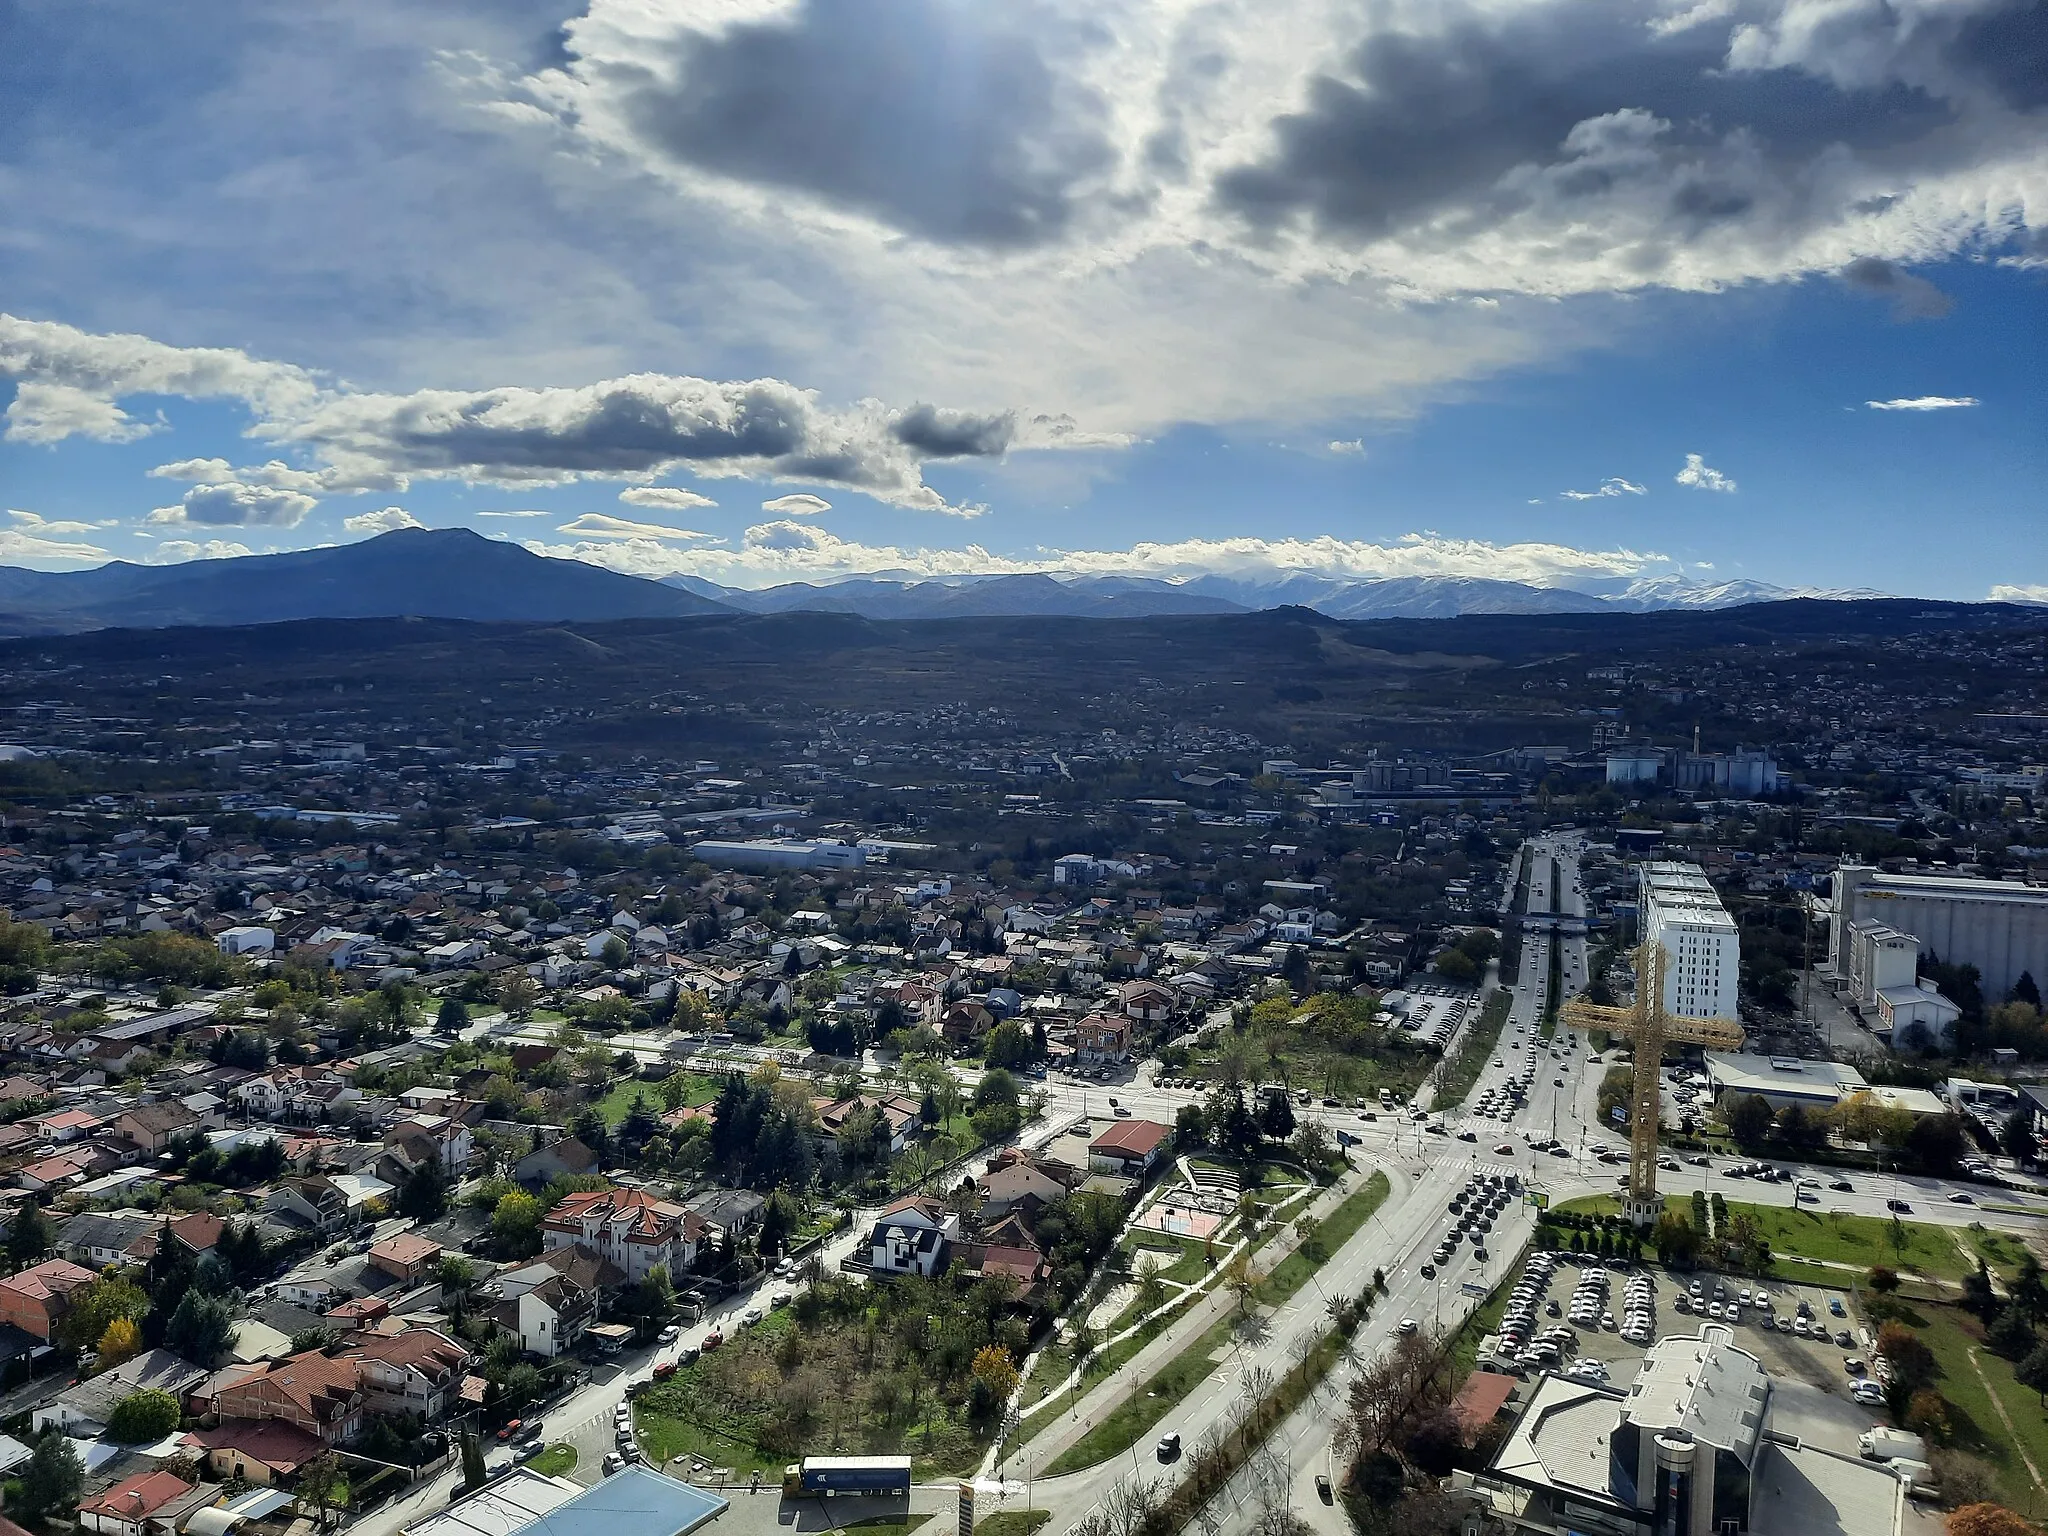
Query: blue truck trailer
x,y
823,1477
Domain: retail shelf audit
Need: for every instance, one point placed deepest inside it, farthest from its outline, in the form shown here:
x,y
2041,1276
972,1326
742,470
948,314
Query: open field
x,y
1859,1241
618,1103
1136,1415
1977,1383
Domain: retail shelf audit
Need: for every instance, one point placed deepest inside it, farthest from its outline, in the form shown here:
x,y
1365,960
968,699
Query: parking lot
x,y
1591,1319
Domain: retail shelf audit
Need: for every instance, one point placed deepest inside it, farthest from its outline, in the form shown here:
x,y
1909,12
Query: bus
x,y
824,1477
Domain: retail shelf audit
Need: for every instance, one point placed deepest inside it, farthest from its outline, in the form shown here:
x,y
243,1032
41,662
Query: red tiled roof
x,y
1135,1138
133,1498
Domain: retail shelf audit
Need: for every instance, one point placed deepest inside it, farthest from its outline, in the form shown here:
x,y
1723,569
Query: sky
x,y
1581,293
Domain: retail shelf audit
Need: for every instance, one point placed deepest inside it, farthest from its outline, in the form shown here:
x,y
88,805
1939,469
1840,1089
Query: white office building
x,y
1702,953
1999,926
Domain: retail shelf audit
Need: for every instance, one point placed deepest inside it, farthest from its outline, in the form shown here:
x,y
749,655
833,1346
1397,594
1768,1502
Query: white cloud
x,y
599,525
673,498
384,520
29,546
1924,403
801,504
43,527
1613,485
2034,593
275,474
1701,476
786,550
232,504
49,413
1353,447
178,551
522,512
71,379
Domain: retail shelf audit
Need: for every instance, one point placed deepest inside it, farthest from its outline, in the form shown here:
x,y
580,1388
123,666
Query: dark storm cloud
x,y
941,118
940,434
1419,127
1912,298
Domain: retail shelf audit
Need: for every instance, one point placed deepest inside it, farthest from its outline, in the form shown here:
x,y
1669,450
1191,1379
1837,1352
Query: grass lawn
x,y
617,1104
1861,1241
1181,1260
2001,1250
1330,1234
555,1461
1953,1335
1056,1366
1136,1415
1012,1522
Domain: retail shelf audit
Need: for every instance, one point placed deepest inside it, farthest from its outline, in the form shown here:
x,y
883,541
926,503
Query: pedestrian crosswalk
x,y
1482,1167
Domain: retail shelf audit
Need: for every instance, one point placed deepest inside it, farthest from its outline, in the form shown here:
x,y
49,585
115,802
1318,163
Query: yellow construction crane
x,y
1648,1028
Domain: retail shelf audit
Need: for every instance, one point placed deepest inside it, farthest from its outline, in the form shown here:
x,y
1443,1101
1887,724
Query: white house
x,y
914,1236
246,941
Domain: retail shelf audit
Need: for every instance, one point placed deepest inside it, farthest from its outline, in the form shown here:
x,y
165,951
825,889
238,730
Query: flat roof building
x,y
1783,1080
1703,957
768,854
1690,1449
1999,926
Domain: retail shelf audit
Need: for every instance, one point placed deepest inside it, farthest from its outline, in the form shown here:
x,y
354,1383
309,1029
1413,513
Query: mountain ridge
x,y
457,573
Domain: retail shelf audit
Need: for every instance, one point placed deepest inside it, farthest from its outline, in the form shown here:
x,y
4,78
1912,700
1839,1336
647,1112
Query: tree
x,y
616,954
1456,967
1276,1117
2029,1288
2026,991
517,993
95,1307
1978,1295
453,1017
29,1238
424,1194
1007,1046
144,1417
1882,1280
1311,1145
202,1328
1938,1141
778,1220
473,1473
1749,1120
1912,1361
515,1224
2017,1138
1987,1520
994,1373
2032,1372
996,1087
2012,1334
1677,1240
121,1341
53,1478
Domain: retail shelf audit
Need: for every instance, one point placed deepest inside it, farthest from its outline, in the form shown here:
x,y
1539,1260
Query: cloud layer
x,y
783,550
1923,403
1701,476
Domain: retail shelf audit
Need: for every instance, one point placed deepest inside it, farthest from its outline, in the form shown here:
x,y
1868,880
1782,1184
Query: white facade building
x,y
1999,926
1702,953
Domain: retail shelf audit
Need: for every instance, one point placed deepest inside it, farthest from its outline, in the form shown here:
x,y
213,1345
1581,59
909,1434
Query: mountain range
x,y
455,573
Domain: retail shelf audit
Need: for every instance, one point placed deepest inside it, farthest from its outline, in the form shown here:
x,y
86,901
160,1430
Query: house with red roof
x,y
630,1228
36,1299
143,1505
1131,1148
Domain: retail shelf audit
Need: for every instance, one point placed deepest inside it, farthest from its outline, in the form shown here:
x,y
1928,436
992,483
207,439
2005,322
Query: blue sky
x,y
788,289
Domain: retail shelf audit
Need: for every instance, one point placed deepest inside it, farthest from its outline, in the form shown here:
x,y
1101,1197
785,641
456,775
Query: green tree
x,y
1749,1120
2012,1335
29,1238
515,1224
473,1473
1008,1046
53,1478
202,1328
616,954
95,1307
141,1418
1978,1295
453,1017
424,1194
2032,1372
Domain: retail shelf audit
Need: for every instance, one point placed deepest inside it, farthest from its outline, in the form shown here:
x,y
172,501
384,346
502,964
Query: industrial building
x,y
1691,1449
770,855
1681,912
1999,926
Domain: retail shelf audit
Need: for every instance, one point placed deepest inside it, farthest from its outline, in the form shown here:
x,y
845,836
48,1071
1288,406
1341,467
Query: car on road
x,y
1961,1197
1323,1490
1505,1149
1868,1393
1409,1325
1429,1271
670,1334
1842,1186
1899,1207
1169,1447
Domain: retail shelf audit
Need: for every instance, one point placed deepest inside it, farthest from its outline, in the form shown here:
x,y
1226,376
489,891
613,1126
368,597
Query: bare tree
x,y
1128,1503
1393,1393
